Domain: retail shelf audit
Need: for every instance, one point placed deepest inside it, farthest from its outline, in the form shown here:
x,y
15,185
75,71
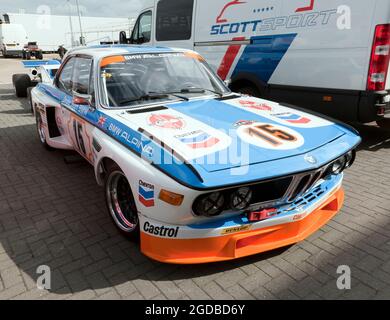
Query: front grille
x,y
285,190
302,183
272,194
271,190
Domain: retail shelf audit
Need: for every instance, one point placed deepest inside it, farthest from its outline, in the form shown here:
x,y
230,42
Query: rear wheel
x,y
384,123
21,82
39,55
41,131
120,202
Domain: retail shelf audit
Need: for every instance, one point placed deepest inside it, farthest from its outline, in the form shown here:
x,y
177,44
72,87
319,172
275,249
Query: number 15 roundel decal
x,y
270,136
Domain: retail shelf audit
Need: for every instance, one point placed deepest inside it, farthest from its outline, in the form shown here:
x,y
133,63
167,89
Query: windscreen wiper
x,y
200,90
148,96
151,96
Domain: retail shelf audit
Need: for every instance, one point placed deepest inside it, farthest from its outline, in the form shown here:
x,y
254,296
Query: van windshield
x,y
131,80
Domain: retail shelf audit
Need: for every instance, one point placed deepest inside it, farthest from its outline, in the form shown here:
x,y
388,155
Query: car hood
x,y
217,135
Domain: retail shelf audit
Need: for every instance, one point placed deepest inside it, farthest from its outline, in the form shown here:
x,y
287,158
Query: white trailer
x,y
51,31
13,37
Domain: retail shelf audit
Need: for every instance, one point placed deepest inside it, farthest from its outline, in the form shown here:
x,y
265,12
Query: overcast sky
x,y
101,8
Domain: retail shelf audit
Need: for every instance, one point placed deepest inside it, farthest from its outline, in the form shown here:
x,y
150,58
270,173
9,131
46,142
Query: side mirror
x,y
82,99
123,37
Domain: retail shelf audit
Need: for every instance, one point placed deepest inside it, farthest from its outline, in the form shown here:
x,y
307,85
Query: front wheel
x,y
120,202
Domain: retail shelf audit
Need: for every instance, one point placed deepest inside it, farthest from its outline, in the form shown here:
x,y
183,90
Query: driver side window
x,y
143,28
65,82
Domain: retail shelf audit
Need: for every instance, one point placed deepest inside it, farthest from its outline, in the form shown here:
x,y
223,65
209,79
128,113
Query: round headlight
x,y
241,198
209,205
338,166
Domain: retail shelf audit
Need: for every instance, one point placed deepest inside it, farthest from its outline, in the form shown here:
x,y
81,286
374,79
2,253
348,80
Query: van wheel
x,y
250,91
39,55
21,82
383,123
120,202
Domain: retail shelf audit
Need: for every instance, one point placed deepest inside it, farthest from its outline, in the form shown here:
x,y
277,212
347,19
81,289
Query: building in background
x,y
51,31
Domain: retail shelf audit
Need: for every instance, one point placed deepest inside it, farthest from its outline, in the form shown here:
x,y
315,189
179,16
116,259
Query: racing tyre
x,y
383,123
41,131
120,202
250,91
21,82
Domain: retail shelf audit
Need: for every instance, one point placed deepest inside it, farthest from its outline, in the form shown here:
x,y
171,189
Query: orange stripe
x,y
204,250
110,60
194,55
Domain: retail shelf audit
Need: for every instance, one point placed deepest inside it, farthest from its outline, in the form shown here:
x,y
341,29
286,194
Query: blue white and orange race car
x,y
198,173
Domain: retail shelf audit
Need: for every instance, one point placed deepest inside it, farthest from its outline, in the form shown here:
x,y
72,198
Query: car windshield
x,y
131,80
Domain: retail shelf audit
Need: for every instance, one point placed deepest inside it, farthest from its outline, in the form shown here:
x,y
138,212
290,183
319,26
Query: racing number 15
x,y
78,133
273,136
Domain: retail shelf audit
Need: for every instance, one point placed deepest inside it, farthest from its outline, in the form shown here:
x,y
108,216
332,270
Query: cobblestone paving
x,y
53,213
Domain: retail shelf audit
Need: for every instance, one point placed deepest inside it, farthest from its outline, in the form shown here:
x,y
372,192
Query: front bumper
x,y
245,239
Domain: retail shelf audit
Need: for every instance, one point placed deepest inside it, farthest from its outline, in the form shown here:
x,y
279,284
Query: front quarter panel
x,y
142,175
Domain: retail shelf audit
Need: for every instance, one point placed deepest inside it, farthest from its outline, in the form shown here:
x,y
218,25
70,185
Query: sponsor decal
x,y
166,121
146,194
255,105
137,143
102,120
197,139
292,118
240,123
235,229
301,17
153,55
161,231
270,136
220,18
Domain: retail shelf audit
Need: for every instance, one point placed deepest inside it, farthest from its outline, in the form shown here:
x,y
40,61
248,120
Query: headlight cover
x,y
241,198
209,205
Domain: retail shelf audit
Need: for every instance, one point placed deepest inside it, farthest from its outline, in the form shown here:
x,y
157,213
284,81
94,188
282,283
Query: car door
x,y
76,81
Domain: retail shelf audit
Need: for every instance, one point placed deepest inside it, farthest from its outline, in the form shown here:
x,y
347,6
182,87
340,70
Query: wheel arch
x,y
245,79
101,169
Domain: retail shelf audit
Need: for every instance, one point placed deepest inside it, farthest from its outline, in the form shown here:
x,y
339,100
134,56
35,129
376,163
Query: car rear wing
x,y
40,63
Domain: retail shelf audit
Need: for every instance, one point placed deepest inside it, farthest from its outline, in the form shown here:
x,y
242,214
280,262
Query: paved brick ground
x,y
54,214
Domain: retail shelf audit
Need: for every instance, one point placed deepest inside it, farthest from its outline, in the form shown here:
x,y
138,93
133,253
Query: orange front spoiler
x,y
191,251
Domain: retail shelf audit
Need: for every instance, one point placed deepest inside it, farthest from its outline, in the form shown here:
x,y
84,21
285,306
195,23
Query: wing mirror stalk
x,y
82,99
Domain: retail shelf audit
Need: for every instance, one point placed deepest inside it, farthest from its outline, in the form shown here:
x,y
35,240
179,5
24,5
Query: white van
x,y
13,37
331,56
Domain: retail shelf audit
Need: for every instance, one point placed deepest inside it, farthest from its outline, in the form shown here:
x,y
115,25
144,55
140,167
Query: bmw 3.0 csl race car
x,y
197,172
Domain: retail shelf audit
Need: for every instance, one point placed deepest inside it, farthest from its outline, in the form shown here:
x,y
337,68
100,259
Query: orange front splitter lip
x,y
228,247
